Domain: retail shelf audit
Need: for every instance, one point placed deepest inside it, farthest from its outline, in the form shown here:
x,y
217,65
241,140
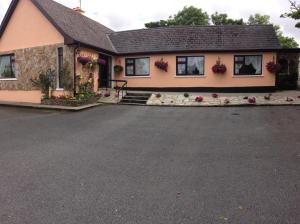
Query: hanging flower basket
x,y
273,67
162,65
83,60
219,68
101,61
118,69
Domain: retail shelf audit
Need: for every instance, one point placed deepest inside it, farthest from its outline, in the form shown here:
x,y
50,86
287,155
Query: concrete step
x,y
138,94
135,98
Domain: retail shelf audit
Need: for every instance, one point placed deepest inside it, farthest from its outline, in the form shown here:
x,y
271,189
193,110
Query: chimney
x,y
79,10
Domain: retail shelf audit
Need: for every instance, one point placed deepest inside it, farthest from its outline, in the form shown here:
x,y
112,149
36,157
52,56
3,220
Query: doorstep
x,y
48,107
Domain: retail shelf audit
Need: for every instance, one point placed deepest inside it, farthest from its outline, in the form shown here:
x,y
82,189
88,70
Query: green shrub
x,y
44,81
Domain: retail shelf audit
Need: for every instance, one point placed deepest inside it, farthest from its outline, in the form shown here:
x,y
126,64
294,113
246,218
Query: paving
x,y
144,165
48,107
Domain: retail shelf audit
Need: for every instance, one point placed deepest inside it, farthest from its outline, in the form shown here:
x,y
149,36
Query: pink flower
x,y
252,100
219,68
162,65
272,67
199,99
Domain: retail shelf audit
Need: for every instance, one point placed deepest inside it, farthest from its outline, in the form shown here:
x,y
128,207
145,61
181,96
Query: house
x,y
36,35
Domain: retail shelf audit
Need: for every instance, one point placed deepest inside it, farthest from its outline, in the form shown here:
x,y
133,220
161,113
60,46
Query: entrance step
x,y
135,98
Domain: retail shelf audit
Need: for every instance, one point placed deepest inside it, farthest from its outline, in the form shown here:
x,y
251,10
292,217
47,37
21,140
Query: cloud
x,y
133,14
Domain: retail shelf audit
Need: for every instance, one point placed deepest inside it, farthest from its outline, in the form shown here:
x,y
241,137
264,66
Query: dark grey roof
x,y
77,28
196,38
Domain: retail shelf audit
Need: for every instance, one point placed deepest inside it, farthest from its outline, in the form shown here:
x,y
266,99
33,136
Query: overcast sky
x,y
133,14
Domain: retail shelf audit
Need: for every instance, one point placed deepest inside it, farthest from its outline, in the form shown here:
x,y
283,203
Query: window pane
x,y
253,62
130,61
129,70
142,66
60,68
195,65
181,69
239,59
248,65
181,59
6,68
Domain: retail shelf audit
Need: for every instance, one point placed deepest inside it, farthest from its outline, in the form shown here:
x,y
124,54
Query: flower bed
x,y
71,101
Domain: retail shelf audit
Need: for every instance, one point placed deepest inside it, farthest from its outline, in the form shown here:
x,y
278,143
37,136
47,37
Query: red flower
x,y
214,95
272,67
252,100
219,68
162,65
199,99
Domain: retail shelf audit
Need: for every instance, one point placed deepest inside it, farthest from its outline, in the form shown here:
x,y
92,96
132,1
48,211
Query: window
x,y
60,55
193,65
137,66
248,65
7,67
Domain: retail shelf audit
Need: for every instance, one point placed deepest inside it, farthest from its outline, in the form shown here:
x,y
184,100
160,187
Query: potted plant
x,y
83,60
273,67
214,95
118,69
219,68
252,100
199,99
162,65
101,61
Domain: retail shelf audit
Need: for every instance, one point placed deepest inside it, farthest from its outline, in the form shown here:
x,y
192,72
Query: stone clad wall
x,y
30,61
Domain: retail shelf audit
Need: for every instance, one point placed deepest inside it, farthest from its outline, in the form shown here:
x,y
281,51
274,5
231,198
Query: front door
x,y
104,72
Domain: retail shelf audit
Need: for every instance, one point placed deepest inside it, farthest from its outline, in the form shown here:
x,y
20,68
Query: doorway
x,y
104,71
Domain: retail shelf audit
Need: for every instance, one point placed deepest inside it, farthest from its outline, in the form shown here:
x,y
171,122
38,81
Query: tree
x,y
294,12
258,19
222,19
191,16
285,42
161,23
187,16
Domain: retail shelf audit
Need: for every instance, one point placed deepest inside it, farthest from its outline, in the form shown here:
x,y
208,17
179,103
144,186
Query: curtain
x,y
255,61
142,66
195,65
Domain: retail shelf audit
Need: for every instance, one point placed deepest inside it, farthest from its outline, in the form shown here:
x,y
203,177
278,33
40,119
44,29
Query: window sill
x,y
8,79
190,76
138,76
247,76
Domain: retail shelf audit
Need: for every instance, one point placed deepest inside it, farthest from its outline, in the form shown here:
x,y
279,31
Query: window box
x,y
190,66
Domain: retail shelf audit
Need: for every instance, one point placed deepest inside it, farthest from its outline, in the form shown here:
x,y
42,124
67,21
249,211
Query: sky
x,y
133,14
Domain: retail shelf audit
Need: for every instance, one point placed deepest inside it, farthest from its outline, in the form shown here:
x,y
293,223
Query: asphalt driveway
x,y
150,165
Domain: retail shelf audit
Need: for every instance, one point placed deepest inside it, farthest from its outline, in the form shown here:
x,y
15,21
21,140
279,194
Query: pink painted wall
x,y
28,28
21,96
160,78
